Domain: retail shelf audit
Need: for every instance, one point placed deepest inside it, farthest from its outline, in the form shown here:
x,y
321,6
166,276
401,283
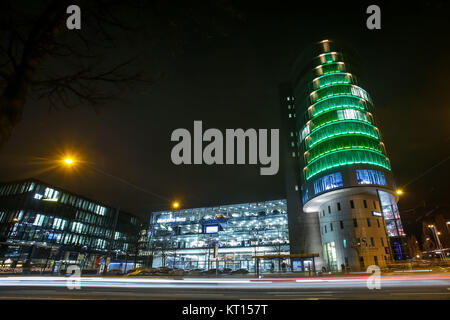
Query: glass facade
x,y
328,182
46,227
189,238
370,177
338,125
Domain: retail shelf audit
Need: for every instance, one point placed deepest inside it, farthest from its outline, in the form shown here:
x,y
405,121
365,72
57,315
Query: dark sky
x,y
231,82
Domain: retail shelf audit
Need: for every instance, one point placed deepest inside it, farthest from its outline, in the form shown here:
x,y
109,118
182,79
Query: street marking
x,y
419,293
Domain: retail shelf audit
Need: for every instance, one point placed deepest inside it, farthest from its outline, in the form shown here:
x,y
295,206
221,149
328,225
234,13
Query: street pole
x,y
111,240
438,242
385,228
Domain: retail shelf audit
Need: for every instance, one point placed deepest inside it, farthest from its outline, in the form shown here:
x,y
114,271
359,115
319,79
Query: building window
x,y
328,182
382,242
355,223
305,196
365,203
378,222
325,229
305,132
342,224
375,258
374,204
339,206
329,209
370,177
331,226
372,242
344,243
368,222
352,204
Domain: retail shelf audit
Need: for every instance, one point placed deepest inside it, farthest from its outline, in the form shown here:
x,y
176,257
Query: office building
x,y
46,228
337,170
227,236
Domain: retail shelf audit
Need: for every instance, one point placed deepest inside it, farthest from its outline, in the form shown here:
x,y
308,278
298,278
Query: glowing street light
x,y
68,161
399,192
175,205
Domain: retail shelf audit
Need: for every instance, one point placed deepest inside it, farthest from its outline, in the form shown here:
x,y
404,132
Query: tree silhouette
x,y
40,58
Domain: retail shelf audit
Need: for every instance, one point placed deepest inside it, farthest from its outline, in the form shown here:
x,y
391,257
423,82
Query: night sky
x,y
231,81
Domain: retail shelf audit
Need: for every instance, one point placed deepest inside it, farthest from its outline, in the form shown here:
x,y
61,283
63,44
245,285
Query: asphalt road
x,y
421,287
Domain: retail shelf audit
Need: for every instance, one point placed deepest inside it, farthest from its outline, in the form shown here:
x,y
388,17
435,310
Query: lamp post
x,y
438,242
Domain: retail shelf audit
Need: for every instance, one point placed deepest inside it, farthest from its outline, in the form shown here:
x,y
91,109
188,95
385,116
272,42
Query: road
x,y
433,286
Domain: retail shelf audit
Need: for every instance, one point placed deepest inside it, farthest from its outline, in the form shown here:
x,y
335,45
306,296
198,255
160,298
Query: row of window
x,y
329,68
337,102
331,79
355,224
352,205
334,180
18,188
370,177
334,116
328,182
341,143
341,128
338,90
83,204
363,242
347,157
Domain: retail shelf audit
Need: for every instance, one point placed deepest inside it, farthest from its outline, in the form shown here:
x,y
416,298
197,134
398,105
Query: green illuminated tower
x,y
345,174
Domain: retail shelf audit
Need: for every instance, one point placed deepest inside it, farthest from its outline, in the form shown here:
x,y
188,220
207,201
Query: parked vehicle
x,y
195,272
115,272
210,271
240,271
141,272
176,272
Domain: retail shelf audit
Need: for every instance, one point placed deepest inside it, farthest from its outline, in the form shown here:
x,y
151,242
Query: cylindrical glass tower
x,y
346,175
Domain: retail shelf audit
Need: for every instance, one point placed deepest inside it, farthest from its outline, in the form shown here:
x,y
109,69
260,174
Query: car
x,y
240,271
210,271
115,272
176,272
195,272
140,272
162,271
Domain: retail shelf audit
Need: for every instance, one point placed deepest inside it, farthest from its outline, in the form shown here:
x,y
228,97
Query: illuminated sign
x,y
38,196
211,229
377,214
167,220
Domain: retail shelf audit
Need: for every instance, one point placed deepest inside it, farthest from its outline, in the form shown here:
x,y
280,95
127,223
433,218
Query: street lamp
x,y
399,192
175,205
436,235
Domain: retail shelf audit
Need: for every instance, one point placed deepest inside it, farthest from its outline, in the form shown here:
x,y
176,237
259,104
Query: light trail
x,y
359,281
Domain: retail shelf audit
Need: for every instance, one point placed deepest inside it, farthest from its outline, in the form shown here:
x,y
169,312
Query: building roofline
x,y
38,181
